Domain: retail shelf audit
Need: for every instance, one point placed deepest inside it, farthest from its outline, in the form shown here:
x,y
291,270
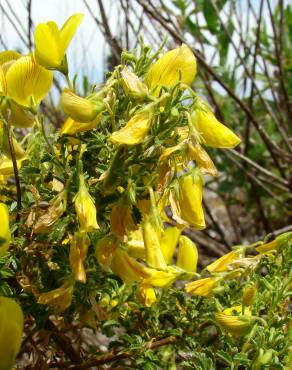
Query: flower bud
x,y
85,208
5,235
78,252
187,256
78,108
132,86
249,295
135,130
146,295
11,328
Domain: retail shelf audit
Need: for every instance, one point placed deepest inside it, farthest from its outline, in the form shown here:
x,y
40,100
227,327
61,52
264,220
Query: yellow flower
x,y
11,328
234,322
6,166
127,268
78,252
135,244
51,42
212,132
4,143
59,299
151,236
201,157
187,256
85,208
146,295
135,130
176,65
27,82
221,264
5,235
20,117
8,56
186,203
163,279
71,127
105,249
276,244
169,241
132,86
202,287
78,108
3,85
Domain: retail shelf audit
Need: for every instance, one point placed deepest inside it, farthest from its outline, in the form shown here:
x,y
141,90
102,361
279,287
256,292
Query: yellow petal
x,y
276,244
132,86
3,85
71,127
6,166
221,264
134,131
78,252
20,117
169,241
49,37
204,162
47,45
234,324
105,249
212,132
201,287
154,256
168,69
4,144
27,82
11,328
187,256
5,235
78,108
68,30
8,55
121,220
162,279
59,299
146,295
127,268
187,204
